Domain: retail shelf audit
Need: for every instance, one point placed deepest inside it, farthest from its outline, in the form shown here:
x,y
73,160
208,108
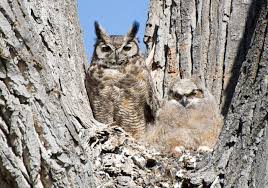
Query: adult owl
x,y
118,82
189,118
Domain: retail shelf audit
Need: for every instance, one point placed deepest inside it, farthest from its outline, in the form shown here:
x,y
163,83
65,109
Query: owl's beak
x,y
115,57
184,101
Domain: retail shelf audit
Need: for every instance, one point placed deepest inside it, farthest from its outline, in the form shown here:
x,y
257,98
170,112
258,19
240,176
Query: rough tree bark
x,y
225,43
43,100
241,156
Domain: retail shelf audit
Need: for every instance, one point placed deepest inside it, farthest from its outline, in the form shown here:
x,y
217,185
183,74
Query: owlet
x,y
188,118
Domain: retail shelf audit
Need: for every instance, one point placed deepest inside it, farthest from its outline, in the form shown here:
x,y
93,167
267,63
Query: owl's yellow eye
x,y
106,49
177,96
197,93
127,48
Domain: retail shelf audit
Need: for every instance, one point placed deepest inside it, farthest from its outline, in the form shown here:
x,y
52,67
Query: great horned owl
x,y
118,82
188,118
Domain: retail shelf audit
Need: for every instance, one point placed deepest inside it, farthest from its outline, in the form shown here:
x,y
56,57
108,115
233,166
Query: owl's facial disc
x,y
186,99
113,51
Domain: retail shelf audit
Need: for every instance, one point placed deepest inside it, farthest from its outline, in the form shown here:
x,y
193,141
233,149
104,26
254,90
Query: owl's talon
x,y
204,149
177,151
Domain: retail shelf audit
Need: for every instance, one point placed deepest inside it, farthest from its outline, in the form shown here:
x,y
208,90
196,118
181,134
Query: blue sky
x,y
116,16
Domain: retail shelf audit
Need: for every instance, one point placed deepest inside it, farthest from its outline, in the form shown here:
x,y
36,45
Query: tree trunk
x,y
225,43
241,156
205,38
43,100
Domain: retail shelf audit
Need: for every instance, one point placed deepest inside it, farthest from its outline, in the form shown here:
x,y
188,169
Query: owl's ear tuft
x,y
100,32
133,31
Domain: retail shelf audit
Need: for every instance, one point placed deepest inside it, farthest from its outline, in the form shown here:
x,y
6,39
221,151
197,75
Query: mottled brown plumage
x,y
118,82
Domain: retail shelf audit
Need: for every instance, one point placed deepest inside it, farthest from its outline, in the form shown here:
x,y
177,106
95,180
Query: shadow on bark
x,y
252,18
240,157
